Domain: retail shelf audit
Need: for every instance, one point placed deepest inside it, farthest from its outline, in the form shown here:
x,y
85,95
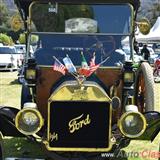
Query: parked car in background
x,y
20,48
9,58
153,56
137,58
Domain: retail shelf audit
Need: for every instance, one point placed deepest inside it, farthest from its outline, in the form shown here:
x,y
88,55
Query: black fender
x,y
153,125
7,124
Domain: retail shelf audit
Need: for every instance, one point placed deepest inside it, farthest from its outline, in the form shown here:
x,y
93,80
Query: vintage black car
x,y
82,96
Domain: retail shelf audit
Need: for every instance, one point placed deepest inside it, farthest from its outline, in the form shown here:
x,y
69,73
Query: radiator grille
x,y
79,125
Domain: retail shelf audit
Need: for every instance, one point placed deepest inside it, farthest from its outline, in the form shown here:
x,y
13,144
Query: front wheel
x,y
144,88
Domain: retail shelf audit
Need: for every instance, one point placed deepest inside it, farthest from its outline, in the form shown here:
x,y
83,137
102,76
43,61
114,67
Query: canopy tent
x,y
125,41
154,34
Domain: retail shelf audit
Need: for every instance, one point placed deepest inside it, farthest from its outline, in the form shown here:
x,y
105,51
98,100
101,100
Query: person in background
x,y
145,52
136,47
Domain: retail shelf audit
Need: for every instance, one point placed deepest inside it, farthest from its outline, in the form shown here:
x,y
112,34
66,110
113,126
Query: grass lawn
x,y
18,147
10,90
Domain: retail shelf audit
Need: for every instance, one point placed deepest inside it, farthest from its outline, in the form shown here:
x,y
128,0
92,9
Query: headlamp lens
x,y
30,118
132,124
30,74
128,77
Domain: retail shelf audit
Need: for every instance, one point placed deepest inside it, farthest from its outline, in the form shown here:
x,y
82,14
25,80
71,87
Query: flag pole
x,y
104,61
58,60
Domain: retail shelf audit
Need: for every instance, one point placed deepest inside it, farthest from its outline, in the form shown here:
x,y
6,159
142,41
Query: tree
x,y
149,9
22,38
6,40
3,13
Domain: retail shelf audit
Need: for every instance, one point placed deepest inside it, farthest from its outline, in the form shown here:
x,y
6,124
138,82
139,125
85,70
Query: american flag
x,y
94,68
58,66
92,62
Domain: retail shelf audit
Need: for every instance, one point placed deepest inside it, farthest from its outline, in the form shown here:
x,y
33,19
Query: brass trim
x,y
1,135
29,14
39,116
132,17
101,67
128,135
73,85
46,142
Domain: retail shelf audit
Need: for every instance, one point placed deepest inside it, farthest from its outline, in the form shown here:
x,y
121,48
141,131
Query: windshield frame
x,y
87,3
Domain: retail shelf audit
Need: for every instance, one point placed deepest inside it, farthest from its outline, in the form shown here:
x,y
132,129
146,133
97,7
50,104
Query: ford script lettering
x,y
77,123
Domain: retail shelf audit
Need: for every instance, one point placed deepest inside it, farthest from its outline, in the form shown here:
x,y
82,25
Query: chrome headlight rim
x,y
124,115
36,112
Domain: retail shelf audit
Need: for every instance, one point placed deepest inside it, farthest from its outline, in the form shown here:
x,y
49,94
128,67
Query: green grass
x,y
22,147
18,147
10,90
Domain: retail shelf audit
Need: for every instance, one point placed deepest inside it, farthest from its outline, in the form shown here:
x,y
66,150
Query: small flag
x,y
92,62
69,65
93,68
58,66
85,72
84,64
88,70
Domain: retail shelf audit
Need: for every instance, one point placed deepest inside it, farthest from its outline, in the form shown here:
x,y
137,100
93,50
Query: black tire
x,y
1,147
144,88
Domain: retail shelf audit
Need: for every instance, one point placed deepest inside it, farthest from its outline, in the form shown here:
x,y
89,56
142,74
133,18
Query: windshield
x,y
81,18
7,50
59,45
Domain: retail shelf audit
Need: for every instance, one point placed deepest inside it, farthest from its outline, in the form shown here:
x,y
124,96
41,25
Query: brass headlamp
x,y
128,74
132,123
31,72
128,77
29,120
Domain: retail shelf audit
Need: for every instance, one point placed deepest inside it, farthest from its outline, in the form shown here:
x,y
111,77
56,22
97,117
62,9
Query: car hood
x,y
5,58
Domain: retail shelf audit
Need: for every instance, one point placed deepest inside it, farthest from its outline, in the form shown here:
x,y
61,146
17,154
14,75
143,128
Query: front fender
x,y
7,125
153,125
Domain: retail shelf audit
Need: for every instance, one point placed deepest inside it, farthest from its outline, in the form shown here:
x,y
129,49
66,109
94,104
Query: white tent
x,y
154,34
125,41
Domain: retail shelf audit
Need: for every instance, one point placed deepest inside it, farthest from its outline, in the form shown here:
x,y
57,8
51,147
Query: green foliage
x,y
22,38
3,13
55,22
5,39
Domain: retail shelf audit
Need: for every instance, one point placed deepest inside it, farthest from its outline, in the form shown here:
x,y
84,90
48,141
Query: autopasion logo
x,y
142,154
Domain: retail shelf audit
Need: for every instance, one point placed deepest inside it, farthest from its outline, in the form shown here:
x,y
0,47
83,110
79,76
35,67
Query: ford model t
x,y
82,94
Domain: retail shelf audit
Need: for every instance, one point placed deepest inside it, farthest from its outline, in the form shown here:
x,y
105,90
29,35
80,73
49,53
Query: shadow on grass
x,y
14,82
22,147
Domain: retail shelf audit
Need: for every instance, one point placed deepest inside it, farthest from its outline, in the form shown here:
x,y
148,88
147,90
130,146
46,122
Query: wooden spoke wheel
x,y
144,88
